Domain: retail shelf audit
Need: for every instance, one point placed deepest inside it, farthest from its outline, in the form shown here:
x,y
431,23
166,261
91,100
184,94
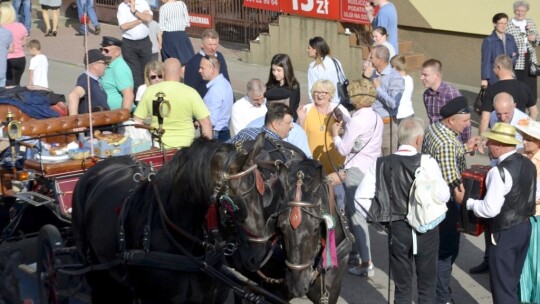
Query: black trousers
x,y
137,53
506,261
448,252
402,260
523,75
15,70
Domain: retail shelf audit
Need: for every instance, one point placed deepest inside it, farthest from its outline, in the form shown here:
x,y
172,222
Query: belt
x,y
386,120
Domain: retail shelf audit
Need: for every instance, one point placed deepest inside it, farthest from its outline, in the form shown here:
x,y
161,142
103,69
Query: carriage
x,y
239,185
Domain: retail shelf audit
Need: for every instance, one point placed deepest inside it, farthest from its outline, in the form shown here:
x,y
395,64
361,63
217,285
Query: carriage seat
x,y
64,125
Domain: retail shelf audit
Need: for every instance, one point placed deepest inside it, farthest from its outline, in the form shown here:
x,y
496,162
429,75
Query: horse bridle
x,y
222,188
296,208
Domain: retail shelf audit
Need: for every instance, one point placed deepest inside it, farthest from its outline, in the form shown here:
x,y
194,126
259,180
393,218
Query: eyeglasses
x,y
320,93
207,57
153,77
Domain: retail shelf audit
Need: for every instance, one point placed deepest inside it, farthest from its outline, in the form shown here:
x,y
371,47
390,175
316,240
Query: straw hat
x,y
529,127
503,133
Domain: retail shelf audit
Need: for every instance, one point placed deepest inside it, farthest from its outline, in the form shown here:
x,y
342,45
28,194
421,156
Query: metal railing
x,y
233,21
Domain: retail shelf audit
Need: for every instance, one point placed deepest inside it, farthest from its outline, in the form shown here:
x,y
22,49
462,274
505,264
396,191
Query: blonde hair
x,y
324,84
362,92
399,63
156,66
7,13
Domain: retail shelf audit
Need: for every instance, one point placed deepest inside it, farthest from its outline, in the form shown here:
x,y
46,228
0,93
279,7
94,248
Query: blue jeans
x,y
23,10
222,135
90,12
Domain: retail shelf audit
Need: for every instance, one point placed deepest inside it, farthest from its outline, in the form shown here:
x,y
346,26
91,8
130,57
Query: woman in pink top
x,y
361,145
16,60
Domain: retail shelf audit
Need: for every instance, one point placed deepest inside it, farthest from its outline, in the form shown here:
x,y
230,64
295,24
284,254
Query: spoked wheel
x,y
50,283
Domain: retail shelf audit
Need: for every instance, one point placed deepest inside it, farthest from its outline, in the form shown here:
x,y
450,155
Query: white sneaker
x,y
360,270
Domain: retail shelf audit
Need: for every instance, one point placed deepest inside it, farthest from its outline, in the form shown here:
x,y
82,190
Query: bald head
x,y
504,107
172,69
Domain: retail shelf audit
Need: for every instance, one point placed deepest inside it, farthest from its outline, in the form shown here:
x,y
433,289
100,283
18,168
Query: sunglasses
x,y
207,57
153,77
105,50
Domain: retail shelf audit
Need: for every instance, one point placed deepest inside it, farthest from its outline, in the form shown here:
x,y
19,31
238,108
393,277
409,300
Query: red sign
x,y
269,5
323,9
200,20
354,11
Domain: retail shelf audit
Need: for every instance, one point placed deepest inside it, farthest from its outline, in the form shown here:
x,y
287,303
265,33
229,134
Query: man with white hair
x,y
249,107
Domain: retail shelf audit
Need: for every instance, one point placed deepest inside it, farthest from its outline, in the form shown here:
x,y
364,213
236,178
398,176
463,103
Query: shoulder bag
x,y
342,84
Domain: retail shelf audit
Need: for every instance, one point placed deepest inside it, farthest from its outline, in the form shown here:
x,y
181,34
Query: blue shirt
x,y
219,100
389,92
387,18
297,136
251,134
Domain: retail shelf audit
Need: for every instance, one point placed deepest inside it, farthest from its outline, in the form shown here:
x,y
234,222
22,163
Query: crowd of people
x,y
370,152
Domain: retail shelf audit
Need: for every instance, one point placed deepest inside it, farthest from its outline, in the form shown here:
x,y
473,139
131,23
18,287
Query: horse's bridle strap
x,y
302,204
243,173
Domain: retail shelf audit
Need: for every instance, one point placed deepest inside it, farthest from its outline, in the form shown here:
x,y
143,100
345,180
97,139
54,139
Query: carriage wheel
x,y
49,239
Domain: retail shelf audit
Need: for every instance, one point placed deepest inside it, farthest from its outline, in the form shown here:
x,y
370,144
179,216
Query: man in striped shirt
x,y
442,143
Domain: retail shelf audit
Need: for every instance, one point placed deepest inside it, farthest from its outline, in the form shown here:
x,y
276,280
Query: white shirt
x,y
366,191
124,15
140,92
173,16
492,203
244,112
326,70
390,48
40,66
405,108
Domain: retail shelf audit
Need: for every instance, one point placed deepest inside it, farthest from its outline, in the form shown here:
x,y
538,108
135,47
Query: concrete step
x,y
405,46
414,60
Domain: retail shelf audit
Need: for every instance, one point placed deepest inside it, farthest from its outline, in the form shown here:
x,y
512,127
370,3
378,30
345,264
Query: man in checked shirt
x,y
442,143
438,93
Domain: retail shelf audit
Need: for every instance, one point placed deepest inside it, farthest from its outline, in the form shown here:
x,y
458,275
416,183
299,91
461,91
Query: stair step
x,y
414,60
405,46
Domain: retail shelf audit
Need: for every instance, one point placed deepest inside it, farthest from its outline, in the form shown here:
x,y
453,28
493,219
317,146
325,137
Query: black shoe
x,y
482,268
48,33
97,31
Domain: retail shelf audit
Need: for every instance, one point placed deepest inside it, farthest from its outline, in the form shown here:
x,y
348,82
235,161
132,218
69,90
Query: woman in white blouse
x,y
323,67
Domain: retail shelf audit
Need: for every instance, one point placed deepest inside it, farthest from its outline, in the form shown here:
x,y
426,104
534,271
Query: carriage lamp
x,y
21,182
161,108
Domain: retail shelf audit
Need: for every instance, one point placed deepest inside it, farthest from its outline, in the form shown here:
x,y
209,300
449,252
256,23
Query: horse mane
x,y
189,176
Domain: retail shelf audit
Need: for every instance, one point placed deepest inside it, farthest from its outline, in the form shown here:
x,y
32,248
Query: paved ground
x,y
65,53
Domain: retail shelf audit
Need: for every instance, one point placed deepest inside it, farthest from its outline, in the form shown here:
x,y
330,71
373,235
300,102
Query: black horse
x,y
315,234
149,236
295,186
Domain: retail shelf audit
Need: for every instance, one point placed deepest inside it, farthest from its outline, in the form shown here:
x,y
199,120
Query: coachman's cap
x,y
503,133
109,41
455,106
95,55
277,94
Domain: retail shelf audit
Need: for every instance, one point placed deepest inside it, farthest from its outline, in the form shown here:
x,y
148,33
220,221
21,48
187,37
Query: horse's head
x,y
300,221
241,193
